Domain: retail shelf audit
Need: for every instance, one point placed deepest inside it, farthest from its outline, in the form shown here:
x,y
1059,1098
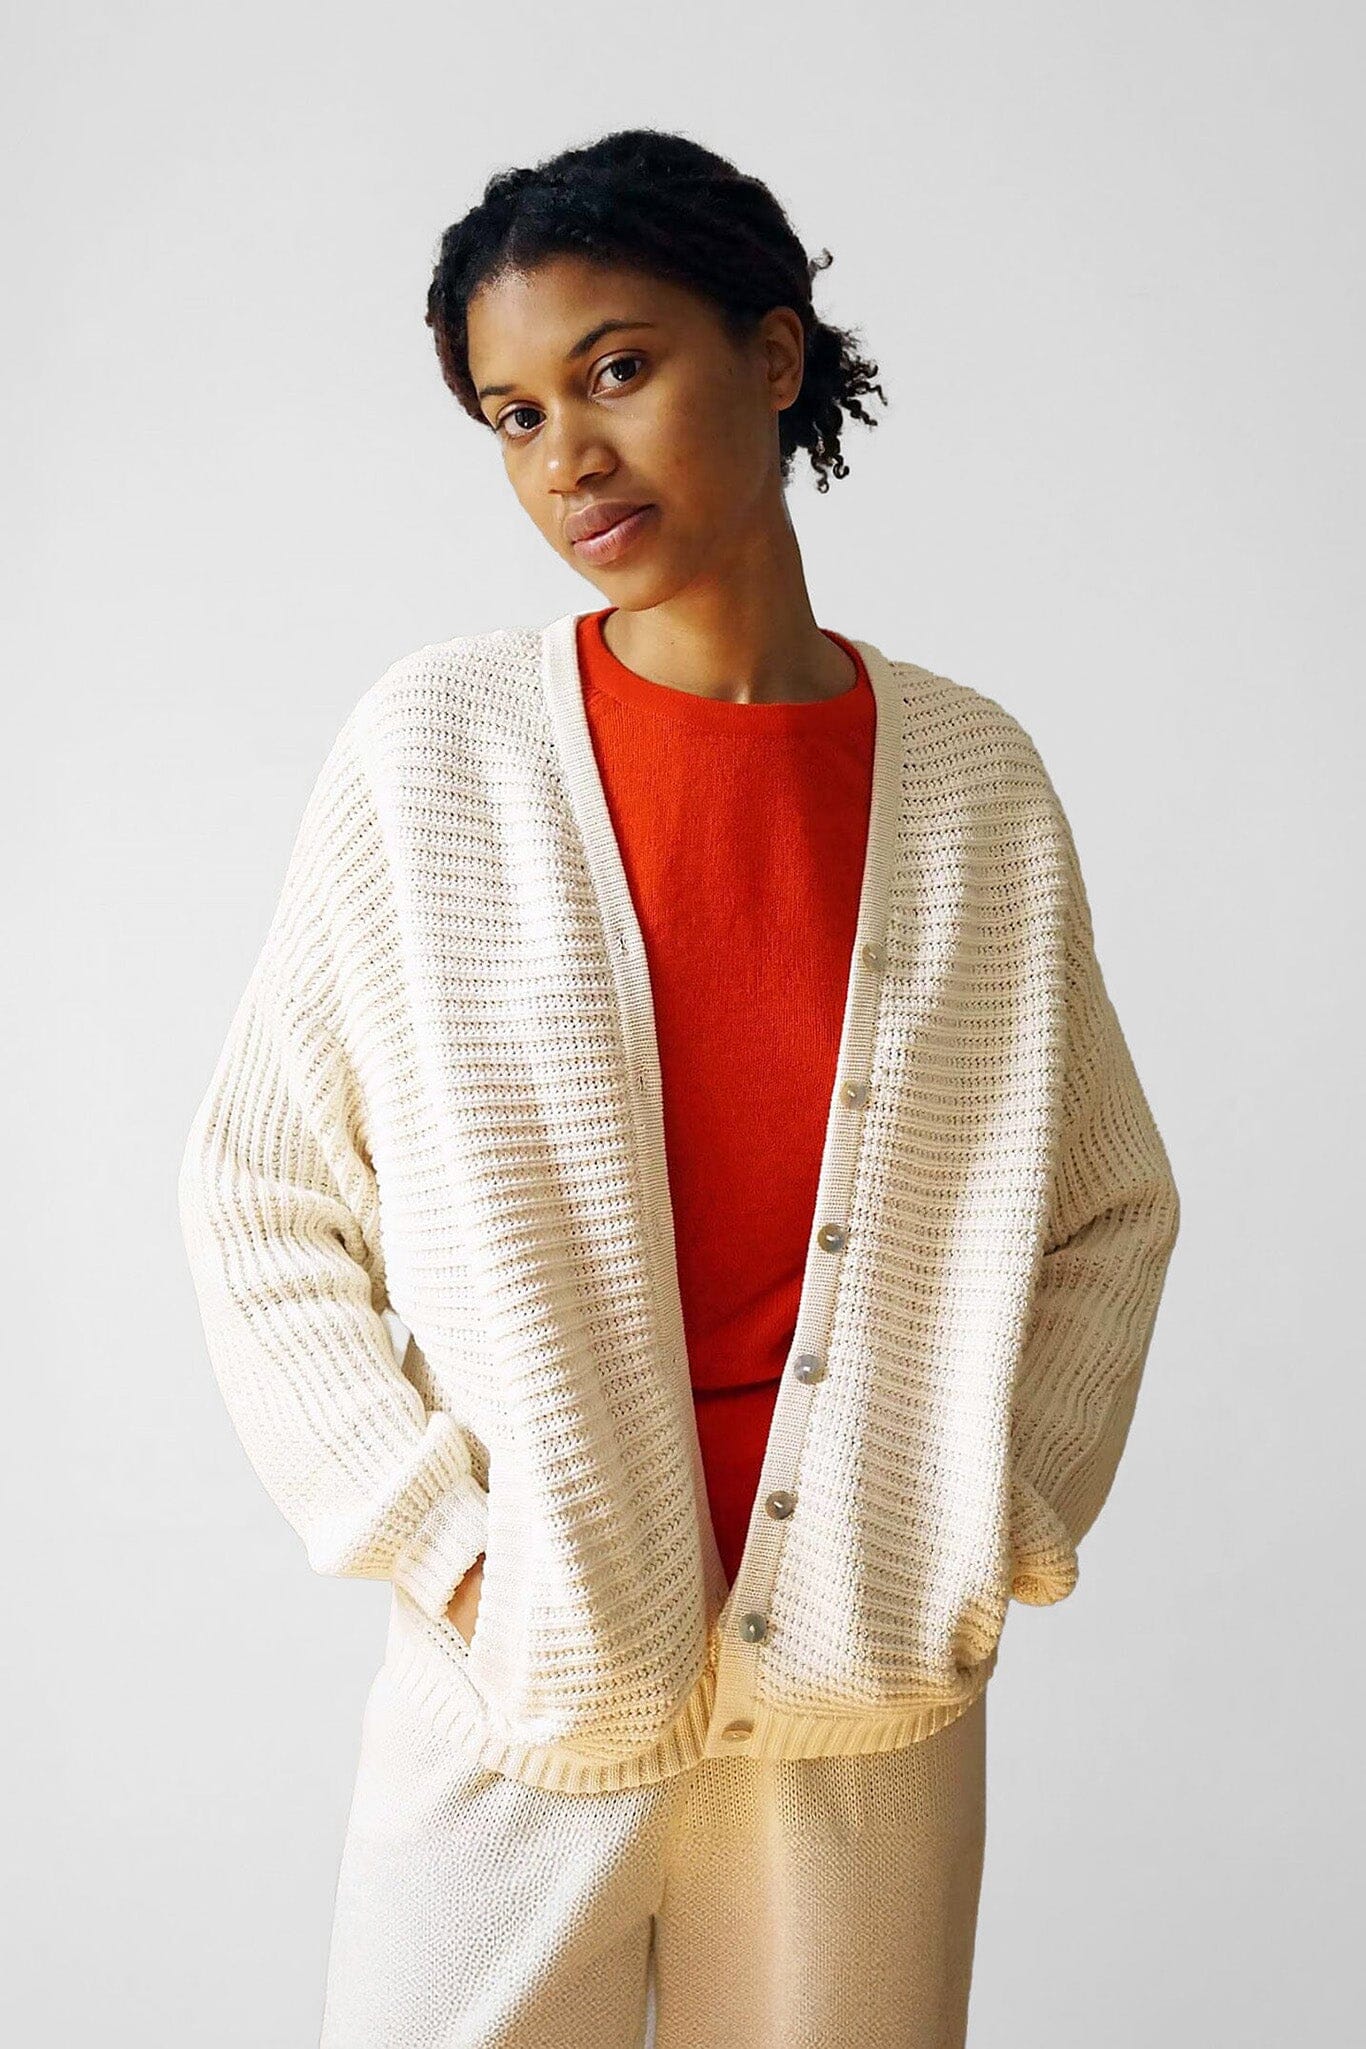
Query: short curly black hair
x,y
663,204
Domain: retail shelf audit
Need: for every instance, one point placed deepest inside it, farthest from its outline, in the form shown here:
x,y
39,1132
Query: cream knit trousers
x,y
808,1903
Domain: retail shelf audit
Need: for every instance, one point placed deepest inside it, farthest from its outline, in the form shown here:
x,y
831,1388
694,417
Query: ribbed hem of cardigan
x,y
425,1676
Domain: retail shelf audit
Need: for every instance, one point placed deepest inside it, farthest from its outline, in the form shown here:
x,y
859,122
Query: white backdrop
x,y
1109,262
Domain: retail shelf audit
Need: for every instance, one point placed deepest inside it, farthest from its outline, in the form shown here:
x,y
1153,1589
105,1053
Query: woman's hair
x,y
663,204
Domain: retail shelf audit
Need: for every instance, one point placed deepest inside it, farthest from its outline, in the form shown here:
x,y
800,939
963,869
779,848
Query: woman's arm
x,y
279,1209
1113,1220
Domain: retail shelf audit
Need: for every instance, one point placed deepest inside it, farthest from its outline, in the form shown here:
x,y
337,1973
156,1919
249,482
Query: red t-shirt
x,y
742,831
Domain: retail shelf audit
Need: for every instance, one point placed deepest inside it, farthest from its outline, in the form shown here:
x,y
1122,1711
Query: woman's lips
x,y
607,546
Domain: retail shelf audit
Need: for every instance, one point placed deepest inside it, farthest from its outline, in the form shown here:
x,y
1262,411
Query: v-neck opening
x,y
562,684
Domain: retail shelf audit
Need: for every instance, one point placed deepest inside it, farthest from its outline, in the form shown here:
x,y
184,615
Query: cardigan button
x,y
809,1367
780,1504
830,1237
872,955
754,1628
853,1091
733,1731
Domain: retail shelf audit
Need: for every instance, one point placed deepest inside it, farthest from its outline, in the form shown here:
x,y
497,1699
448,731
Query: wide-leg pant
x,y
813,1903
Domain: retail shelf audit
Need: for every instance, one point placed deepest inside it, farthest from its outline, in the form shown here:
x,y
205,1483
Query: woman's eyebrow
x,y
584,343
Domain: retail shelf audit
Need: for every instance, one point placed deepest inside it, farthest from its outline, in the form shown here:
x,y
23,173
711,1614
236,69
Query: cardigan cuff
x,y
443,1547
1043,1557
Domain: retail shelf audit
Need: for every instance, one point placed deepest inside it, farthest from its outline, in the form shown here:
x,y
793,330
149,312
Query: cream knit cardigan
x,y
439,1102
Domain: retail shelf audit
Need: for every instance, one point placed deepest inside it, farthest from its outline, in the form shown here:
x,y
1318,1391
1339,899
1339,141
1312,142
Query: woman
x,y
685,1020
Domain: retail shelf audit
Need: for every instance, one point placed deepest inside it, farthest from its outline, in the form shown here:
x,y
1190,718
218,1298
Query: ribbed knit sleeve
x,y
279,1207
1112,1223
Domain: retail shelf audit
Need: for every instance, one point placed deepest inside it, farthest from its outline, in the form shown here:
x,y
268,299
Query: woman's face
x,y
605,384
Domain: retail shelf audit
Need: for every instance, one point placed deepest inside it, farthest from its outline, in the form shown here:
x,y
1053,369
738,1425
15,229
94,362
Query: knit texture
x,y
439,1095
771,1903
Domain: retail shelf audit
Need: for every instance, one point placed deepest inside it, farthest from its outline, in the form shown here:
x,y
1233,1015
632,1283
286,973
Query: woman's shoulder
x,y
463,693
964,731
503,656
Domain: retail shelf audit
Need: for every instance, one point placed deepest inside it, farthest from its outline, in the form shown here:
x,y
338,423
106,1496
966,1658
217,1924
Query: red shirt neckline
x,y
611,675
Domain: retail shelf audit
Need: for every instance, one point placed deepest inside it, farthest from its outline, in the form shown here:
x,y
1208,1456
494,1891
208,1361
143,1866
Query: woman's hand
x,y
463,1606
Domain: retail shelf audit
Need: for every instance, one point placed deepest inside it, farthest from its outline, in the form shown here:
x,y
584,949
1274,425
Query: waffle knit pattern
x,y
439,1100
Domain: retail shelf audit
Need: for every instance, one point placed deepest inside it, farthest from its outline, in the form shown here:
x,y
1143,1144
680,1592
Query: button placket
x,y
735,1683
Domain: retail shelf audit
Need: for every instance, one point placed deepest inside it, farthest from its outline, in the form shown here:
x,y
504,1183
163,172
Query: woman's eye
x,y
617,362
501,424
